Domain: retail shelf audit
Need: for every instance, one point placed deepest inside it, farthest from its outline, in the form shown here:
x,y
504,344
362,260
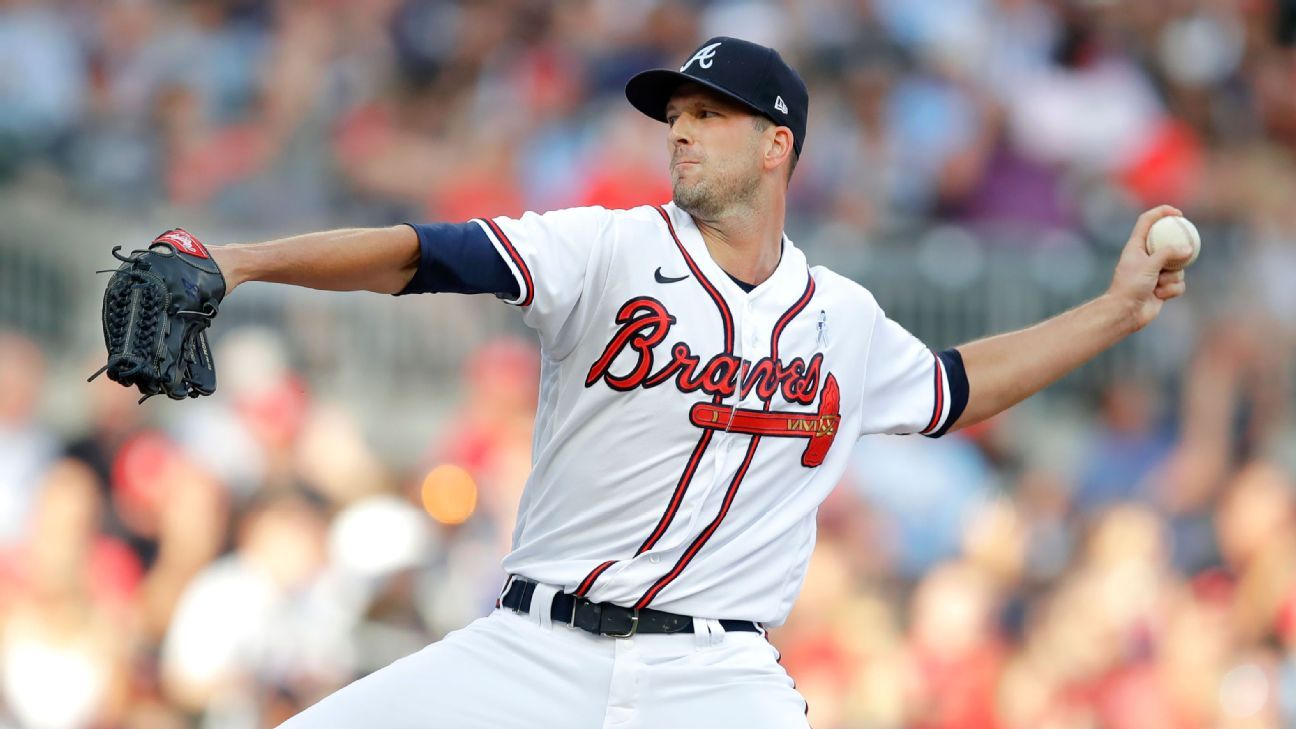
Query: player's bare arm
x,y
1004,370
161,299
353,259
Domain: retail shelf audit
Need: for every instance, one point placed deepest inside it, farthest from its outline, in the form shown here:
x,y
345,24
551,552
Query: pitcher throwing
x,y
701,389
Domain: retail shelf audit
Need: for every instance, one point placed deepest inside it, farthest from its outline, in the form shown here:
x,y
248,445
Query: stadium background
x,y
1118,552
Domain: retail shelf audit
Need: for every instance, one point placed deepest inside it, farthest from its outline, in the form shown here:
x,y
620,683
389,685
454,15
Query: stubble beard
x,y
714,198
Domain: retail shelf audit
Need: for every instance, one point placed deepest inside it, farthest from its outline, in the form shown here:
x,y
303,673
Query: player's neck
x,y
746,243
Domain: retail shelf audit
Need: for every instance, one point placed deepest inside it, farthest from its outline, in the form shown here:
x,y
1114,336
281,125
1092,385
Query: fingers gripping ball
x,y
156,310
1177,232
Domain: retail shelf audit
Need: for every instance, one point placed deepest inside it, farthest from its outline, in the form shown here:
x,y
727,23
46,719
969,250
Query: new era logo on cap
x,y
746,72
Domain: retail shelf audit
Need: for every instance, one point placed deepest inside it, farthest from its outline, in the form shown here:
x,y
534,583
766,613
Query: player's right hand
x,y
1141,281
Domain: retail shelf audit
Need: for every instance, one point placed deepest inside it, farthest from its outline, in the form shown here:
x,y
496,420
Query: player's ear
x,y
779,147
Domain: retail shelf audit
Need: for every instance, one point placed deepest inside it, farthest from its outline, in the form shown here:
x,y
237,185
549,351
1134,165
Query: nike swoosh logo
x,y
667,279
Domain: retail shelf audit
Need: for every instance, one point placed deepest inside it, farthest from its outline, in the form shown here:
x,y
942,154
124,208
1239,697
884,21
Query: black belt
x,y
603,618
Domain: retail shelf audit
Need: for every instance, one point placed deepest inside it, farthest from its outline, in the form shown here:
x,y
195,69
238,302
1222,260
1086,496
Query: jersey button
x,y
654,558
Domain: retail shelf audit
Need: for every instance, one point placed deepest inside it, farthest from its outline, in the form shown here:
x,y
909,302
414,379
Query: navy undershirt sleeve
x,y
458,258
958,388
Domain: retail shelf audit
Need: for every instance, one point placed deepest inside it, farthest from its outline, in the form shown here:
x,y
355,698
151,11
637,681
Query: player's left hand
x,y
156,310
1142,281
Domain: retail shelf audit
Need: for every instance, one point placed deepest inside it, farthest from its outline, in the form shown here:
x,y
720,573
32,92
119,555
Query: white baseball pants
x,y
517,670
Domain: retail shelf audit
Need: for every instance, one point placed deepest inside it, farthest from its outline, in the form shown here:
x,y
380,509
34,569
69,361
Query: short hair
x,y
762,122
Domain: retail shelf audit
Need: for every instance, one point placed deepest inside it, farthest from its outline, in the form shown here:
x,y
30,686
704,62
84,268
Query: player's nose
x,y
680,132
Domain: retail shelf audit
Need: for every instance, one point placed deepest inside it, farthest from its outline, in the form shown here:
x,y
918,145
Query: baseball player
x,y
701,388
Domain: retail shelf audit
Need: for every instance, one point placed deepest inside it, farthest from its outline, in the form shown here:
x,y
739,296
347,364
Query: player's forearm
x,y
352,259
1005,369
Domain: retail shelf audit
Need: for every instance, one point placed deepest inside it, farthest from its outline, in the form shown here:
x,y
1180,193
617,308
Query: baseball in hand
x,y
1176,232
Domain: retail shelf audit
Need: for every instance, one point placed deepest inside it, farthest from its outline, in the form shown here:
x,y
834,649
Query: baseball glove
x,y
156,311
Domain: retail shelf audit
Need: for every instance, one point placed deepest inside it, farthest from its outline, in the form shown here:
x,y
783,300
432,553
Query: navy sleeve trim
x,y
459,258
956,376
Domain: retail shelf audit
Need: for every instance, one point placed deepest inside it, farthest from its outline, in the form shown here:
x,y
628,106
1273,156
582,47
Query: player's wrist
x,y
1120,312
232,263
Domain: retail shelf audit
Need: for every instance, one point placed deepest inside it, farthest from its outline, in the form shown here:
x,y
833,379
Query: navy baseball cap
x,y
746,72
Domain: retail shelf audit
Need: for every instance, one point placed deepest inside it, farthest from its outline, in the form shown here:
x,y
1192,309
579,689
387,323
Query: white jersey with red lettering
x,y
687,429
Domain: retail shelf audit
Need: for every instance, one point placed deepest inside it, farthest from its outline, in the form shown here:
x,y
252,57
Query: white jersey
x,y
688,430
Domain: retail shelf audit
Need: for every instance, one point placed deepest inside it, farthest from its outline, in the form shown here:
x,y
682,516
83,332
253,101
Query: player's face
x,y
714,152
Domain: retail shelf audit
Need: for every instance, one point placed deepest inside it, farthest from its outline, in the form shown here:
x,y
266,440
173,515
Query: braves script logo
x,y
703,57
645,322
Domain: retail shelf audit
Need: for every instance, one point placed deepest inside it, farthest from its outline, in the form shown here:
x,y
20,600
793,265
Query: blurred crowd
x,y
1124,563
1017,114
238,562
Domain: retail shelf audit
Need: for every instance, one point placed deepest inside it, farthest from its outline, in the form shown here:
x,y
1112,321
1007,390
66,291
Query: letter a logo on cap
x,y
703,57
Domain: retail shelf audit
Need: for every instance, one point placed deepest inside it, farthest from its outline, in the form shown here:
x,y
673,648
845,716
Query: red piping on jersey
x,y
686,478
701,539
940,398
787,318
706,283
517,260
588,582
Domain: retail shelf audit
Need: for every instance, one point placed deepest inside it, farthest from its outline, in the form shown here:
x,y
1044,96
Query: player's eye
x,y
670,119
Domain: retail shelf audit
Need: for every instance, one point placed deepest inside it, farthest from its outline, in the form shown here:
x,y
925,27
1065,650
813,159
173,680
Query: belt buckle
x,y
634,626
